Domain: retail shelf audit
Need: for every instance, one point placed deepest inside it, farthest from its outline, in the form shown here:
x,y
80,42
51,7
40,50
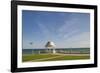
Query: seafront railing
x,y
61,51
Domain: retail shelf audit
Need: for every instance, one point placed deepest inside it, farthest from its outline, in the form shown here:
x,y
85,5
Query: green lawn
x,y
51,57
68,58
36,56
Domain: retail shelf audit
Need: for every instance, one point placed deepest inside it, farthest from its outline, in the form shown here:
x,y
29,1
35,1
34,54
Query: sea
x,y
58,50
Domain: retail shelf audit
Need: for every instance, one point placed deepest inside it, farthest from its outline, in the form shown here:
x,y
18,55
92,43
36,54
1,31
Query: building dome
x,y
50,44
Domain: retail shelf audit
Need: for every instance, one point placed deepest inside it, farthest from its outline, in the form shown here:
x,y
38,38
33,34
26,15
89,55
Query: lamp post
x,y
31,43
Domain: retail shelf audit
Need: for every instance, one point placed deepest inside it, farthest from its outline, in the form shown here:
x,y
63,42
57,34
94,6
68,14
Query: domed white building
x,y
50,47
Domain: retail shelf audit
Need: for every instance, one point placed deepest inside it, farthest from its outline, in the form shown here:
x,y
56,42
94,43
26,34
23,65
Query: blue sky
x,y
65,29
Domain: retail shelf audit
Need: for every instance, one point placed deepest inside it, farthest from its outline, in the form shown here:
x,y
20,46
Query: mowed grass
x,y
36,56
69,58
51,57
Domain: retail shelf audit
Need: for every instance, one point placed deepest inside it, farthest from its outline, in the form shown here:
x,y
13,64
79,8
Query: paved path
x,y
74,54
48,58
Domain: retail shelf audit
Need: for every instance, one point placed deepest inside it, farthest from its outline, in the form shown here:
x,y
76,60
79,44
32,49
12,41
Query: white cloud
x,y
69,25
70,33
81,40
43,28
69,28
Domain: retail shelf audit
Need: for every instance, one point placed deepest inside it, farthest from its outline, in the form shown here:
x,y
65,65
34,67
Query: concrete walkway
x,y
49,58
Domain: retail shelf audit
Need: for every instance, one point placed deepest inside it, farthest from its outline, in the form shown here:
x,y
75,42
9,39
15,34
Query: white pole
x,y
54,51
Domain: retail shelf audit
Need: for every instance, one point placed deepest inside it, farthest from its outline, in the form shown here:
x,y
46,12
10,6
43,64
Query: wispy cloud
x,y
70,34
43,28
69,28
69,24
80,40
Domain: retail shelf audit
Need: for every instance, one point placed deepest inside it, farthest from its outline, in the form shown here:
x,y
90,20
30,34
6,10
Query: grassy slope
x,y
37,56
41,56
69,58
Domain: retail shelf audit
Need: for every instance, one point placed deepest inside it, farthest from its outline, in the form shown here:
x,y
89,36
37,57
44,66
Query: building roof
x,y
50,44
